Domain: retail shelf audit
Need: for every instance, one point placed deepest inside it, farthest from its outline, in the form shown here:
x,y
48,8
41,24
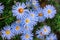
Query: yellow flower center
x,y
20,10
27,36
7,32
18,21
40,14
49,11
27,20
17,27
45,30
32,15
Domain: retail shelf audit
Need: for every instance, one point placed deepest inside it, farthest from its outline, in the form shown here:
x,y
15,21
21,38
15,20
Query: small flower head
x,y
19,21
28,4
28,20
41,17
39,34
27,36
1,8
51,37
35,4
17,29
34,15
49,11
46,30
7,32
19,10
27,28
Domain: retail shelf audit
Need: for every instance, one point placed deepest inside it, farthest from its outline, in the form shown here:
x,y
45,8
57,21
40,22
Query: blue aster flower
x,y
27,28
17,29
27,36
35,4
28,20
19,10
52,36
41,17
40,34
7,32
28,4
1,8
49,11
33,15
46,30
20,21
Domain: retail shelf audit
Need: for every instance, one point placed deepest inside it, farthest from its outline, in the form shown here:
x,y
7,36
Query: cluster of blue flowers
x,y
28,14
45,33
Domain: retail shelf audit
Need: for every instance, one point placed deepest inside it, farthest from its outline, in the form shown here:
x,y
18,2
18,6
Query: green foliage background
x,y
7,18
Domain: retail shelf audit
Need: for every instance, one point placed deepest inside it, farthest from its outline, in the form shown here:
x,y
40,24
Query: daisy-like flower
x,y
49,11
20,21
27,36
35,4
1,8
39,34
28,4
34,15
7,32
41,17
46,30
17,29
28,20
19,10
27,28
52,36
